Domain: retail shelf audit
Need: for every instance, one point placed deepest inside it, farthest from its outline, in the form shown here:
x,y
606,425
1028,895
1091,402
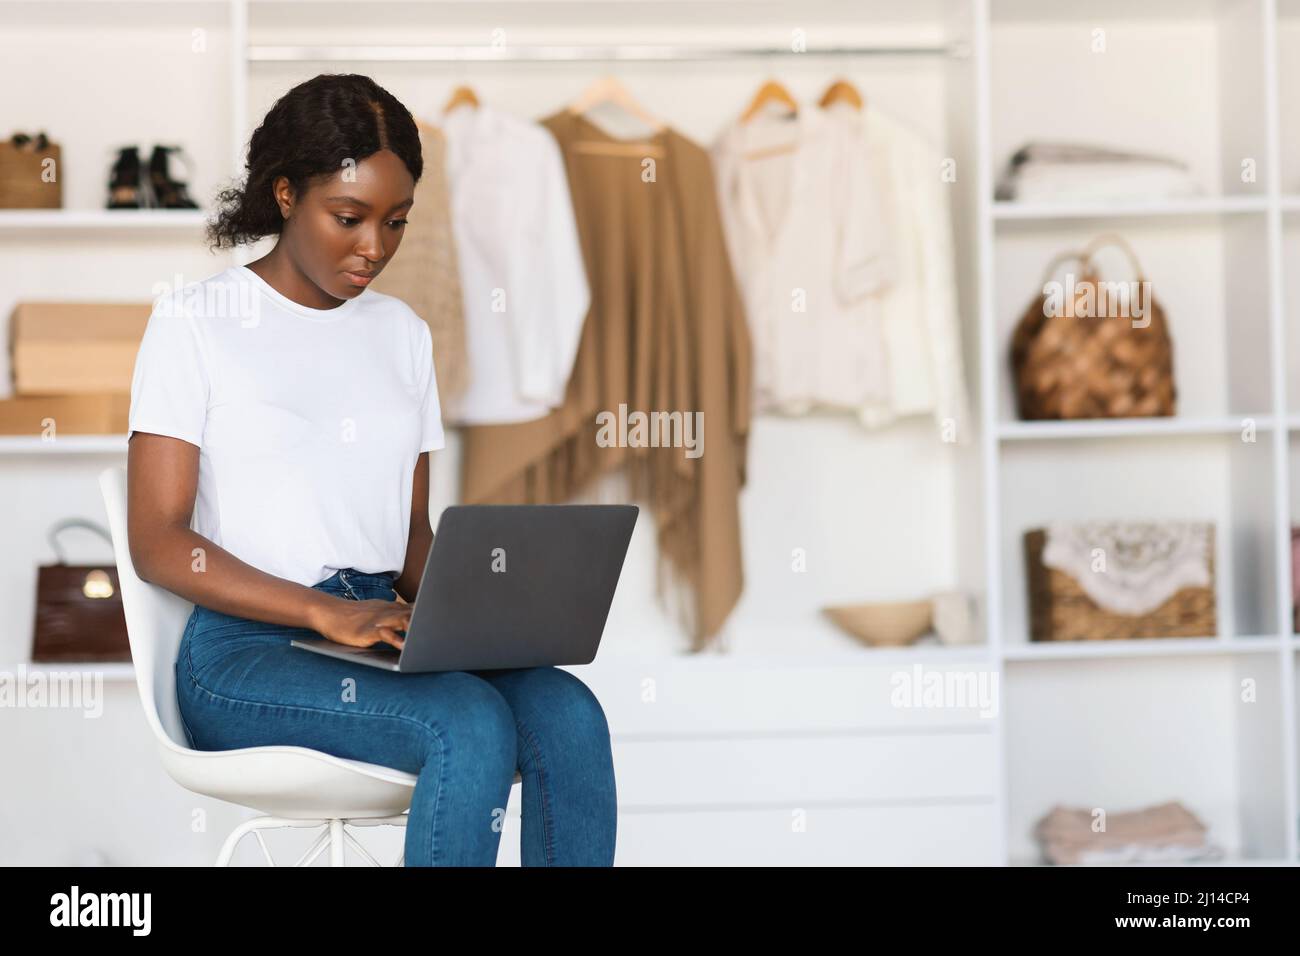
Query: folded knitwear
x,y
1164,832
1056,172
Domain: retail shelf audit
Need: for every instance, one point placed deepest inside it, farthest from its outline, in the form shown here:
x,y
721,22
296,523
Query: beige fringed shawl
x,y
666,332
425,273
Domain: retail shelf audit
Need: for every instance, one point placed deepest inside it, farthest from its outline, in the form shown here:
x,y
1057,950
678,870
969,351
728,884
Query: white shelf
x,y
1130,427
1070,11
1153,647
923,653
101,220
110,670
1224,861
1011,211
66,445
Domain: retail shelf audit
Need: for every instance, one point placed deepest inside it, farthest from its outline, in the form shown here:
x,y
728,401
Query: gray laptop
x,y
508,586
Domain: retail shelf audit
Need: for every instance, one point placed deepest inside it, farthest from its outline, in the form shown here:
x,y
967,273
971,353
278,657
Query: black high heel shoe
x,y
168,193
125,190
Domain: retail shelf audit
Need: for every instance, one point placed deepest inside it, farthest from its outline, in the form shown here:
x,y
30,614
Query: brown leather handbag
x,y
79,607
1085,352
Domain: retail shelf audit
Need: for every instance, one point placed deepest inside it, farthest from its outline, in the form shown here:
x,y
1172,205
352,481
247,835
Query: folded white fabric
x,y
1164,832
1131,567
1146,853
1047,172
1102,181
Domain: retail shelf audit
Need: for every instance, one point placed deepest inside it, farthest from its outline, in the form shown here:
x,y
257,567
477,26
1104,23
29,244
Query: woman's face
x,y
347,228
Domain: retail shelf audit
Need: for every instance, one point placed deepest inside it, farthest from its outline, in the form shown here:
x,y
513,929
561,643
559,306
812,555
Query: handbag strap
x,y
1079,255
1114,239
53,536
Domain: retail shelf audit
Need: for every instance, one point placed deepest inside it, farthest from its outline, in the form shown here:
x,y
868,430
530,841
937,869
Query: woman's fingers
x,y
400,618
389,636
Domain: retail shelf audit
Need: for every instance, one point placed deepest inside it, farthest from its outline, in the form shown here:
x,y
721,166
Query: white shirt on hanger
x,y
919,318
522,272
810,248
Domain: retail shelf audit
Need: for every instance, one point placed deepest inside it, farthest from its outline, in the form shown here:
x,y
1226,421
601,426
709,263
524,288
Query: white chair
x,y
292,786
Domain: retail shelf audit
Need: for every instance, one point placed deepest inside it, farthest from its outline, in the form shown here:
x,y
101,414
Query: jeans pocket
x,y
374,592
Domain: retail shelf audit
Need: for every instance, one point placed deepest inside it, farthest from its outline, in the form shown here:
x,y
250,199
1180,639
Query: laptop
x,y
508,586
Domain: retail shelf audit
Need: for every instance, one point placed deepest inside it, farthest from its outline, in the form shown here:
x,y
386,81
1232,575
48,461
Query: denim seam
x,y
437,798
442,750
218,628
189,734
317,710
548,847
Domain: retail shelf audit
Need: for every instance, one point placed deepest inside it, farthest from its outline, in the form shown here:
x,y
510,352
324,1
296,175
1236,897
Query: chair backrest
x,y
155,621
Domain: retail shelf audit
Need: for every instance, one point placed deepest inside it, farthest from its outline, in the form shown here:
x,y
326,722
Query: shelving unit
x,y
794,715
1200,81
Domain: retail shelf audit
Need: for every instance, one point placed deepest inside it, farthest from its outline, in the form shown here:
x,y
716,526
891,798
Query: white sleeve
x,y
723,157
431,432
170,386
547,326
940,309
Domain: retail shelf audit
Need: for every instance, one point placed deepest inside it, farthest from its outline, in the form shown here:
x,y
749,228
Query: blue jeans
x,y
463,733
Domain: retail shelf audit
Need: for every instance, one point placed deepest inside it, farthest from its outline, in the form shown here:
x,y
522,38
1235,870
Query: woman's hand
x,y
364,623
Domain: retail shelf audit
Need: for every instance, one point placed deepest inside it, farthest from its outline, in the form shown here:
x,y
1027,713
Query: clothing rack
x,y
547,53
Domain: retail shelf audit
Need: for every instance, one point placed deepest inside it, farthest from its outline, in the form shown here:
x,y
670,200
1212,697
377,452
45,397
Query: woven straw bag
x,y
1096,349
1061,610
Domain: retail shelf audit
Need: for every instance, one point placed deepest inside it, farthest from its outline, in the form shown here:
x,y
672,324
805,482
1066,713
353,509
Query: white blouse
x,y
522,272
810,249
919,310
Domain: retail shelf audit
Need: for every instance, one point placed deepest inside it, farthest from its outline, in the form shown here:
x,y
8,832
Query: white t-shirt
x,y
309,421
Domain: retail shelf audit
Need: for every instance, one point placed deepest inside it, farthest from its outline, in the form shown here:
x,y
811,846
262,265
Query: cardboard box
x,y
101,414
68,348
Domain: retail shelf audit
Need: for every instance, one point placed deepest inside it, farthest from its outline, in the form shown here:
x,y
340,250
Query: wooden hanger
x,y
461,95
842,91
771,92
609,89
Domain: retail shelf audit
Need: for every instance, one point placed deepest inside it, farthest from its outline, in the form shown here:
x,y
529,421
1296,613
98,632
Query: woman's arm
x,y
421,536
162,481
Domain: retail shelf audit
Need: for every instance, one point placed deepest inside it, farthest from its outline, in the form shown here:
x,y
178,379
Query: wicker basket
x,y
1059,610
1072,363
22,185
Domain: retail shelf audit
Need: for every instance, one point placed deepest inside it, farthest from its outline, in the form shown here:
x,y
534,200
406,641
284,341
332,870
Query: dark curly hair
x,y
307,135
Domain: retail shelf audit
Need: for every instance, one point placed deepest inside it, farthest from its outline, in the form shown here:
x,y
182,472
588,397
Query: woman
x,y
280,425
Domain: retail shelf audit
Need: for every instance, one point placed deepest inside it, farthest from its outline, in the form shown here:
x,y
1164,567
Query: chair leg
x,y
334,835
336,842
